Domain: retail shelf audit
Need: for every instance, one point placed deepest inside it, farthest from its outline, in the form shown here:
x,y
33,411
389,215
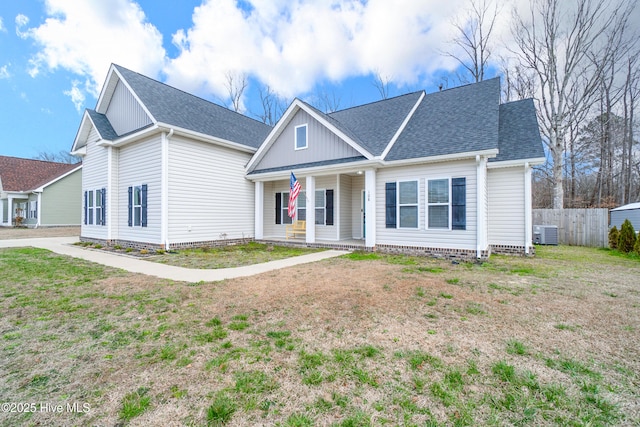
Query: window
x,y
390,204
301,137
302,206
282,208
324,207
408,204
138,206
33,209
447,204
95,207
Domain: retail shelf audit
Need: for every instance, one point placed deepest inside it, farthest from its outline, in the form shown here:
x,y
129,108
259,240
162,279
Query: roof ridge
x,y
39,160
189,94
376,102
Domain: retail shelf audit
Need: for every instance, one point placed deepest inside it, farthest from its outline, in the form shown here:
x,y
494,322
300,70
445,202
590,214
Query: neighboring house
x,y
630,212
42,193
446,174
163,168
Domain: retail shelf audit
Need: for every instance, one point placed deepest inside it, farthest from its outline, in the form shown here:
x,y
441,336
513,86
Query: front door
x,y
363,209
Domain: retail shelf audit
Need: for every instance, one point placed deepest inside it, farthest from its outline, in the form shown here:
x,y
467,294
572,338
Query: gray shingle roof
x,y
103,125
519,135
377,122
458,120
175,107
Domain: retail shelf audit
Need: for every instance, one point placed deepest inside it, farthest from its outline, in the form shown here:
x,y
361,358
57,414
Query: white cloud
x,y
86,37
2,27
4,72
76,94
291,44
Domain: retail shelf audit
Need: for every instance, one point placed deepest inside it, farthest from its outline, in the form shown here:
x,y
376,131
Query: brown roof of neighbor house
x,y
18,174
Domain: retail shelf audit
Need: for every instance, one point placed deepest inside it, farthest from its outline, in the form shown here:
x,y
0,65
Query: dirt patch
x,y
7,233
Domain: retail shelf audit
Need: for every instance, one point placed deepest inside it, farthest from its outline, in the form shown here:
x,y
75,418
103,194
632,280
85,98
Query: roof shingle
x,y
26,174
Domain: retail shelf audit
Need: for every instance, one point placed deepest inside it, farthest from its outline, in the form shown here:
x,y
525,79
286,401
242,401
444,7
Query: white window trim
x,y
301,196
295,138
417,204
97,217
426,198
90,207
324,207
133,206
284,209
33,209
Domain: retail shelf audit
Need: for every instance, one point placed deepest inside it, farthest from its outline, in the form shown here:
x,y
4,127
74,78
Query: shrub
x,y
614,235
627,238
636,248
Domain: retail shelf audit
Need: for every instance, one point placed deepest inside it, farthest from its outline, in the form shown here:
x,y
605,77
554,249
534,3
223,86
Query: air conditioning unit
x,y
545,234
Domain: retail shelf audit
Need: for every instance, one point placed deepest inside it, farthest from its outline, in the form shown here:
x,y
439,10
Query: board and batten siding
x,y
345,200
357,185
62,201
94,177
422,236
124,112
322,144
270,228
140,163
209,197
506,206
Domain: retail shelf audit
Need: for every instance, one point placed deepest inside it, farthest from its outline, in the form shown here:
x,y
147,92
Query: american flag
x,y
294,188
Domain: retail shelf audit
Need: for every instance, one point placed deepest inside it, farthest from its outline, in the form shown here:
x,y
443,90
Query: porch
x,y
339,209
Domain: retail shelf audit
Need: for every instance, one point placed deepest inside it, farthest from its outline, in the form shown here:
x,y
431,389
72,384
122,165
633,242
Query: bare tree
x,y
235,84
273,106
381,82
61,156
327,102
518,81
474,38
557,45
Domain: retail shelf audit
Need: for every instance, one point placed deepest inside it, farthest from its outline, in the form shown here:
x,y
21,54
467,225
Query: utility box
x,y
545,234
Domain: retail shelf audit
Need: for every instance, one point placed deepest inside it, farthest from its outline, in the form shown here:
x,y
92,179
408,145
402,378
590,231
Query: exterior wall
x,y
506,206
3,212
423,237
29,221
329,232
618,217
94,176
322,144
271,229
139,163
209,197
124,112
357,185
62,201
345,209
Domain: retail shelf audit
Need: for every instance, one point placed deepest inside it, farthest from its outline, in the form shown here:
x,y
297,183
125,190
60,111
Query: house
x,y
40,193
163,168
630,212
445,174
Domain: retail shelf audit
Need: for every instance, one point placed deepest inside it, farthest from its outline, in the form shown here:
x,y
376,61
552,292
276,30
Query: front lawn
x,y
365,339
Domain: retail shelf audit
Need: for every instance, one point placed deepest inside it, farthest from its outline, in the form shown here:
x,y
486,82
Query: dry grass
x,y
396,340
25,233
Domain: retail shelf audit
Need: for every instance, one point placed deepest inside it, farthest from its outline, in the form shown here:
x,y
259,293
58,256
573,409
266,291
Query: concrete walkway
x,y
64,246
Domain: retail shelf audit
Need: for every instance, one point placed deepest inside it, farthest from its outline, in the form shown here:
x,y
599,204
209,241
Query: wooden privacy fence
x,y
578,227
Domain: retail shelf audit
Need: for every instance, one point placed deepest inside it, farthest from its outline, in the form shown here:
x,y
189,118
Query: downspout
x,y
528,212
164,228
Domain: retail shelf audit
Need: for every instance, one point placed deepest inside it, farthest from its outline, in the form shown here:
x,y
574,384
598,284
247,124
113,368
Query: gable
x,y
125,114
322,145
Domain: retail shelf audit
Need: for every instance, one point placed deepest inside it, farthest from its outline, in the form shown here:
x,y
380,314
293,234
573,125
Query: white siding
x,y
506,206
124,112
357,185
209,196
271,229
322,145
454,239
328,232
139,163
94,176
345,222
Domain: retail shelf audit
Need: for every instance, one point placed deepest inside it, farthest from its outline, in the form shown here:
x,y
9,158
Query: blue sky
x,y
54,54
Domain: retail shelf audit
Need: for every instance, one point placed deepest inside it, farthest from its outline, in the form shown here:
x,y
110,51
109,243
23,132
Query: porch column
x,y
259,210
370,220
39,210
528,226
1,212
310,189
10,210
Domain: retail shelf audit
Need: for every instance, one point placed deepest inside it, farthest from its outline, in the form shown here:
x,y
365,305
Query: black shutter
x,y
85,207
329,208
130,210
278,208
390,204
458,204
104,206
144,205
